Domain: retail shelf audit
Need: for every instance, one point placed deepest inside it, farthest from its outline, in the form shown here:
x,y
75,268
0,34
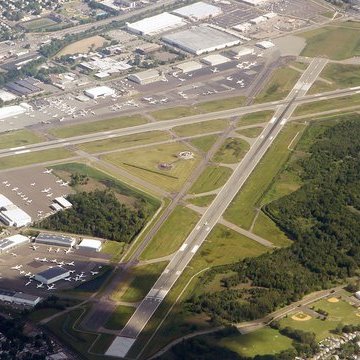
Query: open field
x,y
200,108
83,46
251,132
279,85
232,151
249,198
202,200
145,163
124,141
96,126
33,158
119,317
200,128
42,24
18,138
204,143
339,75
320,42
255,118
171,234
143,279
212,178
327,105
114,248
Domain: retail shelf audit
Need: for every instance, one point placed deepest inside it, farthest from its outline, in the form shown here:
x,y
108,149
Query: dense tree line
x,y
99,214
323,219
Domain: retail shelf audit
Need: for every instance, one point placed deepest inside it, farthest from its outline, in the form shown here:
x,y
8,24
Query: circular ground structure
x,y
300,316
333,300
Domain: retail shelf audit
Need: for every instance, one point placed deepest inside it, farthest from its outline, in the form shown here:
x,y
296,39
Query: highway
x,y
168,124
189,248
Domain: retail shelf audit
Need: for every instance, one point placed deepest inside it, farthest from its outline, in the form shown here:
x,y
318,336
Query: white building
x,y
254,2
266,44
258,20
99,91
357,295
242,51
198,11
244,27
146,77
55,240
64,203
90,245
10,111
18,298
52,275
12,242
7,96
11,215
156,24
215,59
189,66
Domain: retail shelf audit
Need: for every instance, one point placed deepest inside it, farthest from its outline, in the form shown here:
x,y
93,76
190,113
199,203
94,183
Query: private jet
x,y
34,247
57,250
53,261
51,287
70,263
50,249
14,189
215,70
229,78
64,183
29,201
61,263
44,259
5,182
46,190
28,283
94,272
48,171
68,251
17,267
13,254
41,285
22,272
68,279
28,274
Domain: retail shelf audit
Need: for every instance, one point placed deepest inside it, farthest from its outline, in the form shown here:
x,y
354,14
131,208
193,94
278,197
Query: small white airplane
x,y
46,190
68,251
66,183
34,247
70,263
48,171
37,259
229,78
71,271
44,259
61,263
49,195
51,287
41,285
14,189
53,261
13,254
22,272
50,249
94,272
29,201
28,274
68,279
28,283
17,267
7,185
5,182
215,70
59,181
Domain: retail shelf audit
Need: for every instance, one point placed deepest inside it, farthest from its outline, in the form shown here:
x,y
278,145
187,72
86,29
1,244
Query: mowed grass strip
x,y
96,126
33,158
202,201
125,141
279,85
204,143
212,178
255,118
18,138
171,234
201,128
243,208
144,278
253,132
232,151
114,248
320,42
119,317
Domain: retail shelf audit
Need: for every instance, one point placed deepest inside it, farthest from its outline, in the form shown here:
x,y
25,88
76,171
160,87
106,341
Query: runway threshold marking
x,y
21,152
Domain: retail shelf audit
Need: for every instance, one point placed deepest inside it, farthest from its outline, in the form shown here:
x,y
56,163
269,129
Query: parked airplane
x,y
49,195
215,70
48,171
229,78
51,287
28,274
41,285
70,263
94,272
17,267
14,189
68,251
28,283
22,272
64,183
44,259
46,190
71,271
13,254
68,279
57,250
34,247
50,249
32,184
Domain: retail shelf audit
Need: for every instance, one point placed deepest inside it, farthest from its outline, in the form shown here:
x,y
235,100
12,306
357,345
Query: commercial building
x,y
258,20
215,59
189,66
198,11
6,96
254,2
52,275
266,44
10,111
11,215
12,242
90,245
156,24
201,39
146,77
244,27
24,87
145,49
99,91
19,298
242,51
64,203
55,240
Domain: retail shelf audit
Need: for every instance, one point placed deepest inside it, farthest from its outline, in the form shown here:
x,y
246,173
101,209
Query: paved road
x,y
175,268
168,124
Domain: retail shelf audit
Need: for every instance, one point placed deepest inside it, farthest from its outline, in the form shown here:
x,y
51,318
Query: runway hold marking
x,y
194,249
17,148
183,247
21,152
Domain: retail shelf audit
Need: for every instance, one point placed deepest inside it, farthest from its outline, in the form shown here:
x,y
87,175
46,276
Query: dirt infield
x,y
333,300
83,46
301,317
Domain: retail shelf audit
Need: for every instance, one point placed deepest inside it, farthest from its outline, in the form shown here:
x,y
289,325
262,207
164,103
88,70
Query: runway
x,y
187,251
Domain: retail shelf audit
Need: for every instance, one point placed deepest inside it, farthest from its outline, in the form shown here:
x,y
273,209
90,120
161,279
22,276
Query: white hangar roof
x,y
198,11
90,244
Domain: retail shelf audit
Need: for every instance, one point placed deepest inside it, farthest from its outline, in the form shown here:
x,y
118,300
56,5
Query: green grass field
x,y
41,314
251,132
201,128
212,178
114,248
255,118
124,141
33,158
18,138
265,341
171,234
279,85
37,25
232,151
243,208
204,143
174,113
119,317
144,163
320,42
202,200
95,126
144,278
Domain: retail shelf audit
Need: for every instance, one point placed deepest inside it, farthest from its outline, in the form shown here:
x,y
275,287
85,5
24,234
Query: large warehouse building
x,y
198,11
156,24
99,91
18,298
90,245
55,240
201,39
52,275
11,215
146,77
12,242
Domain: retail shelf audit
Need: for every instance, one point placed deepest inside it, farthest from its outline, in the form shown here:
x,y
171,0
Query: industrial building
x,y
215,59
90,245
55,240
266,44
64,203
146,77
99,91
201,39
104,67
12,242
189,66
11,215
254,2
10,111
198,11
6,96
19,298
24,87
244,27
242,51
52,275
156,24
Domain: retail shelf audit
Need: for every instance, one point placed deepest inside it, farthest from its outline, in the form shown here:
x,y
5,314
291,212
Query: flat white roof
x,y
254,2
189,66
90,243
100,91
156,24
18,239
215,59
63,202
144,75
17,216
266,44
198,11
4,201
9,111
6,95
